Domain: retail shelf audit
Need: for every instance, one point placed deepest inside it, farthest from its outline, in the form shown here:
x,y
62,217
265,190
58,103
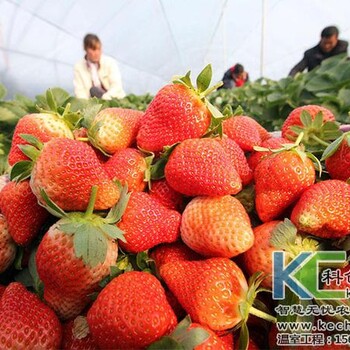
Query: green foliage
x,y
270,102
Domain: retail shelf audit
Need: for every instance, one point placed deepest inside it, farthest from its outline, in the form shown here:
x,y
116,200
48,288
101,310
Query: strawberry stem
x,y
320,141
262,314
91,205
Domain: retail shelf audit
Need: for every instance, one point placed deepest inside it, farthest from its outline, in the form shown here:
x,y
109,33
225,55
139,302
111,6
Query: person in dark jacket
x,y
328,46
235,76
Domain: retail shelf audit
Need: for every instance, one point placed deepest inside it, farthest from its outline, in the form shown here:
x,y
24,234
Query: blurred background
x,y
41,40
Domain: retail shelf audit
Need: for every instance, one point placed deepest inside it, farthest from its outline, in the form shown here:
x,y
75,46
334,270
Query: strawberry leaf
x,y
50,206
117,211
30,151
318,121
332,148
21,170
204,78
113,232
51,102
306,118
284,235
32,140
243,340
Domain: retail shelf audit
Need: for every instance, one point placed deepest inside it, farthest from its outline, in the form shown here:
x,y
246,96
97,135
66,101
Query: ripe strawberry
x,y
77,336
43,126
131,312
67,169
128,166
170,252
337,157
216,226
74,256
209,290
245,131
113,129
176,113
202,167
323,209
171,199
280,179
7,246
26,322
23,214
147,223
270,237
238,159
271,143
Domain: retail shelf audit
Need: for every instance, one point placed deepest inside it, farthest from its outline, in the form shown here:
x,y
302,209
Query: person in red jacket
x,y
235,76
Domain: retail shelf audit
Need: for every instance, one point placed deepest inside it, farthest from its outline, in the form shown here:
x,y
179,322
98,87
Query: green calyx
x,y
252,306
334,146
182,338
285,237
23,169
203,88
316,133
91,231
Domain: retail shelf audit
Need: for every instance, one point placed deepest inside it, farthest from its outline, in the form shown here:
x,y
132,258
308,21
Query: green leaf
x,y
238,111
21,170
3,91
18,259
38,285
332,148
204,78
142,259
61,96
69,227
243,340
32,140
30,151
90,245
116,213
166,343
51,101
318,121
185,80
89,113
50,206
7,116
213,110
283,235
113,232
306,118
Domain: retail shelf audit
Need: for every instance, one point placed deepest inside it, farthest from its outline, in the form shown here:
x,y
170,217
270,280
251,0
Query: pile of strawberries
x,y
115,227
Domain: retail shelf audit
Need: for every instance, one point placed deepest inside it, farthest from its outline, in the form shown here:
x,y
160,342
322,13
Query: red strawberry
x,y
24,215
66,170
337,158
7,246
216,226
113,129
26,322
175,305
171,199
280,179
43,126
246,131
209,290
176,113
323,209
271,143
238,159
128,166
165,253
294,119
202,167
131,312
147,223
77,336
74,256
274,236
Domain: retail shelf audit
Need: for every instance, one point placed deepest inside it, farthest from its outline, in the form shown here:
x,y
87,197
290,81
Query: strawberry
x,y
170,252
323,209
216,226
24,215
43,126
67,169
337,157
2,290
114,129
131,312
4,179
178,112
26,322
128,166
7,246
171,199
202,167
76,335
274,236
271,143
315,122
245,131
147,223
280,179
212,291
75,255
238,159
